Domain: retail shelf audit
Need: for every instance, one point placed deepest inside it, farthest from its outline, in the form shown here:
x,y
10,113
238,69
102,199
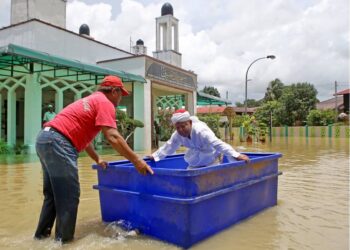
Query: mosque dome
x,y
139,42
84,30
167,9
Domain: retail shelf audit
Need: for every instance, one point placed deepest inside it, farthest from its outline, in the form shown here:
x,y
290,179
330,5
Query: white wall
x,y
135,65
46,38
52,11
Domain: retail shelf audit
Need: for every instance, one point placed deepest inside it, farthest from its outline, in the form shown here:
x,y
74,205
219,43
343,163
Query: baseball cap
x,y
114,81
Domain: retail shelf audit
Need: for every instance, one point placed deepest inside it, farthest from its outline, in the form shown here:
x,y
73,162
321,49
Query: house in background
x,y
220,110
331,103
341,101
345,93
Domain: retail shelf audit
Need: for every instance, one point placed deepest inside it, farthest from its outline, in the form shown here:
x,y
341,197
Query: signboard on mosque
x,y
171,75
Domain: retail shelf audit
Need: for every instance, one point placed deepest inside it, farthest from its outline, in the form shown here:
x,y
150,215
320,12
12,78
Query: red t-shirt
x,y
82,120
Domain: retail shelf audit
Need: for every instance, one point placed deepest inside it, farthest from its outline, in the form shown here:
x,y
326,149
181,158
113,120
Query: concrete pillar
x,y
164,27
176,37
191,99
32,111
169,35
140,135
157,36
147,116
11,117
58,100
154,105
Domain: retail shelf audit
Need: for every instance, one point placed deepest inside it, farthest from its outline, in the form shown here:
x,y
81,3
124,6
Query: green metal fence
x,y
309,131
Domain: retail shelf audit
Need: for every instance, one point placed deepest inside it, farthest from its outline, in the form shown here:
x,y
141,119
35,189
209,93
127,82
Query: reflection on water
x,y
312,210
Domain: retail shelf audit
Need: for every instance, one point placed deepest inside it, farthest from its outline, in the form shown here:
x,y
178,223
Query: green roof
x,y
206,99
16,60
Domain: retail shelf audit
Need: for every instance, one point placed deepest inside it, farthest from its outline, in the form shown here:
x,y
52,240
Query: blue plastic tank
x,y
186,206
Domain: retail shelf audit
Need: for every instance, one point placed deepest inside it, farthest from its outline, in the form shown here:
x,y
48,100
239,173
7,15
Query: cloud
x,y
219,39
135,21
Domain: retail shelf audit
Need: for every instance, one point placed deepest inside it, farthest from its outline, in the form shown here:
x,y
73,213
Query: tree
x,y
297,100
238,104
211,91
251,103
263,113
274,90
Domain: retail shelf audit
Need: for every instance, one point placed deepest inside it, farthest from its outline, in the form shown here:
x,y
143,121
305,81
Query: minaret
x,y
167,37
51,11
139,48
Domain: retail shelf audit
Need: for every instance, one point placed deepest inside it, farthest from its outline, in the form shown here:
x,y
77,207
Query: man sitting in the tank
x,y
204,148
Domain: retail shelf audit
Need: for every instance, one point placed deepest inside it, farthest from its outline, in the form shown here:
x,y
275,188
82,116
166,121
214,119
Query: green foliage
x,y
263,129
4,148
251,103
239,104
274,91
166,128
253,128
237,121
263,113
211,91
126,125
249,124
213,122
321,117
296,102
20,148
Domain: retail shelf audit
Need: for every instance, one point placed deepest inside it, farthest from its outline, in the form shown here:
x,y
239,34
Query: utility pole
x,y
270,132
226,96
336,101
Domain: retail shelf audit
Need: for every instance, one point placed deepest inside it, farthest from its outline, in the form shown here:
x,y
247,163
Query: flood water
x,y
312,210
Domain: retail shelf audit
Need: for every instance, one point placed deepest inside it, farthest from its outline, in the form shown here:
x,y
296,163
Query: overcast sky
x,y
220,38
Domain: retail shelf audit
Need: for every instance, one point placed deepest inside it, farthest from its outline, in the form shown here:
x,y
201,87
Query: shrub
x,y
213,122
237,121
165,126
20,148
321,117
4,148
126,125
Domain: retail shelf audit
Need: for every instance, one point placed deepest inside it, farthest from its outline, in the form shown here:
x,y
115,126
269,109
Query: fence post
x,y
286,130
330,130
306,131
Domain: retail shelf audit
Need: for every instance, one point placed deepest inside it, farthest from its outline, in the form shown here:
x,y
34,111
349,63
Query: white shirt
x,y
203,146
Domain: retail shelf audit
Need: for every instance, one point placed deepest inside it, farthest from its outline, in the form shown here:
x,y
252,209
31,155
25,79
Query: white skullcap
x,y
180,115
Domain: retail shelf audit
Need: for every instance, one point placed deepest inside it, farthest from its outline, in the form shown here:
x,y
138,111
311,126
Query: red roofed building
x,y
345,93
220,109
341,100
330,103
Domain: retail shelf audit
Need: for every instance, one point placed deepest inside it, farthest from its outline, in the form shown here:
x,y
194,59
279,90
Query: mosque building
x,y
42,63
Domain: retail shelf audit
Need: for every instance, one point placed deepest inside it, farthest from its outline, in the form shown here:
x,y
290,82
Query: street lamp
x,y
246,79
